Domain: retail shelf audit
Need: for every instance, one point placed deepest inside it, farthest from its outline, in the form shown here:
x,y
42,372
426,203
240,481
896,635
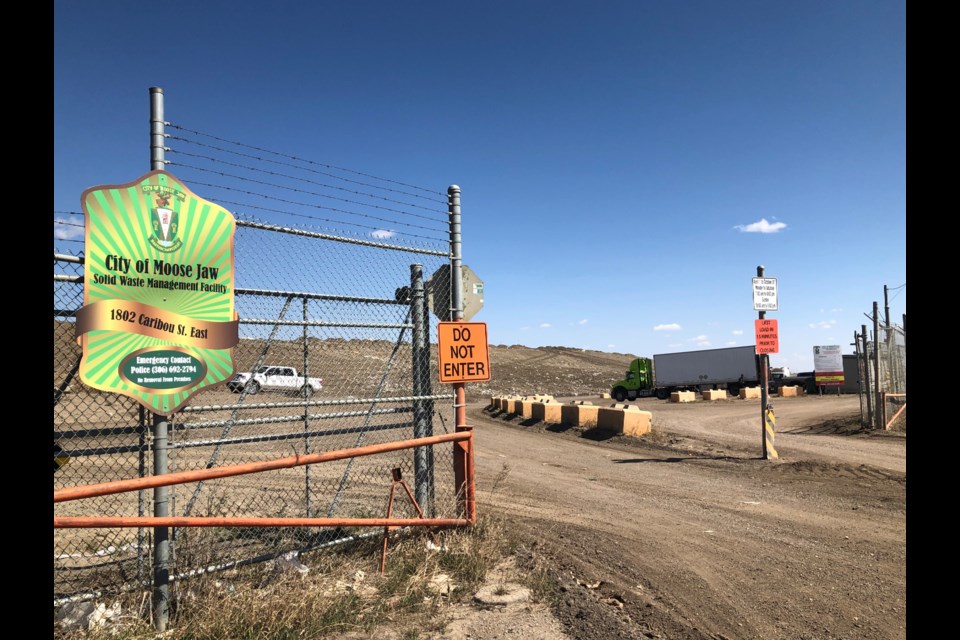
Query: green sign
x,y
158,322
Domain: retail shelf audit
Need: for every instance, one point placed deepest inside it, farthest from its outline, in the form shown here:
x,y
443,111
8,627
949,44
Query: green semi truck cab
x,y
639,379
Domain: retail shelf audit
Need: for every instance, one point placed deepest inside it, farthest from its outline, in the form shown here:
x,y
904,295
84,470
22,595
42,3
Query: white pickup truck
x,y
275,378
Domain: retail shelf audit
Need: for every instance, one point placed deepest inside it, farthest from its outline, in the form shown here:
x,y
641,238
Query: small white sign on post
x,y
764,294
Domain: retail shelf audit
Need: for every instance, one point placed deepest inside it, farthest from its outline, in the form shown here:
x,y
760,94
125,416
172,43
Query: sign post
x,y
765,299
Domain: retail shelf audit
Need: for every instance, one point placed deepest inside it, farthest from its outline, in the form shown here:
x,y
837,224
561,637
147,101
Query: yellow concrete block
x,y
549,412
538,397
629,422
605,396
715,394
749,392
526,409
579,415
683,396
789,392
513,405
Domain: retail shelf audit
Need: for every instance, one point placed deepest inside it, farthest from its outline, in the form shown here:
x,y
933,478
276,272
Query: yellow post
x,y
769,432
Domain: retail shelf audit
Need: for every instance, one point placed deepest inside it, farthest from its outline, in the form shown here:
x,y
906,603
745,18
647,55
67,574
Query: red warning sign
x,y
768,338
463,352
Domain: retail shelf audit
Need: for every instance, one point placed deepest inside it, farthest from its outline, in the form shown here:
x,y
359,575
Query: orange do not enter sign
x,y
463,352
768,337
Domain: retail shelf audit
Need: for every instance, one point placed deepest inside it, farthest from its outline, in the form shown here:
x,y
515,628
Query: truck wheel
x,y
253,388
306,391
619,394
663,394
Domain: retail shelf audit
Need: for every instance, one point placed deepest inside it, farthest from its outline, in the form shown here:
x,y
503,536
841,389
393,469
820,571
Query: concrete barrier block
x,y
683,396
526,409
513,405
749,392
579,415
629,422
715,394
605,396
549,412
537,397
789,392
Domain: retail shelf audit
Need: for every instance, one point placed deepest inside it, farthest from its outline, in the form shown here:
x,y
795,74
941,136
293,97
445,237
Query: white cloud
x,y
611,346
382,234
544,325
668,327
584,321
524,328
731,343
67,229
823,324
699,338
761,227
738,332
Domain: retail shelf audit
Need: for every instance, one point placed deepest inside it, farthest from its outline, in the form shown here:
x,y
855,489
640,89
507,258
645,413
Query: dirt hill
x,y
356,366
560,371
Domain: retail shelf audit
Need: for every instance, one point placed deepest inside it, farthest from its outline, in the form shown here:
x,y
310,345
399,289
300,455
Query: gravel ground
x,y
688,533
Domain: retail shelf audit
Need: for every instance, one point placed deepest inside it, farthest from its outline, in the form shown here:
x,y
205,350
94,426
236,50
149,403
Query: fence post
x,y
462,451
867,388
422,424
141,495
859,356
161,507
876,367
306,401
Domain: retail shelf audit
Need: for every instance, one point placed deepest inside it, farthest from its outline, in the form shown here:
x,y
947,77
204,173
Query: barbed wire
x,y
315,206
291,157
309,193
311,170
68,224
415,245
321,184
69,213
327,220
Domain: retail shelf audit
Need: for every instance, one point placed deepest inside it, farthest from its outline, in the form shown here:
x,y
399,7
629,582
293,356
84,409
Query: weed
x,y
342,595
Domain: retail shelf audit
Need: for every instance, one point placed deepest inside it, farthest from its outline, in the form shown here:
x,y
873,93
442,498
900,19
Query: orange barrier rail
x,y
887,423
182,477
116,522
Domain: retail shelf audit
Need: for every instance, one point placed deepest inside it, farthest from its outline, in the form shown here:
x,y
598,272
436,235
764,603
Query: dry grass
x,y
343,596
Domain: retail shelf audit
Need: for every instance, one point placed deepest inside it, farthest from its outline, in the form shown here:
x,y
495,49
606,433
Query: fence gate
x,y
348,309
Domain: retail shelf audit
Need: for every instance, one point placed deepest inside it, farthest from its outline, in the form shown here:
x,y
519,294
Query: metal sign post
x,y
765,298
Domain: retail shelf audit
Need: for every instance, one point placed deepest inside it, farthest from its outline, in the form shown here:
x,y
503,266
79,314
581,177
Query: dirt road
x,y
690,534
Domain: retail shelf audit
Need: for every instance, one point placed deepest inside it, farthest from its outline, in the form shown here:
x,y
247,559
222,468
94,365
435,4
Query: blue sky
x,y
625,166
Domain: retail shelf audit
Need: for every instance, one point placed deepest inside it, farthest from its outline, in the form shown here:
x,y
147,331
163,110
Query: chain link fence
x,y
882,366
349,312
